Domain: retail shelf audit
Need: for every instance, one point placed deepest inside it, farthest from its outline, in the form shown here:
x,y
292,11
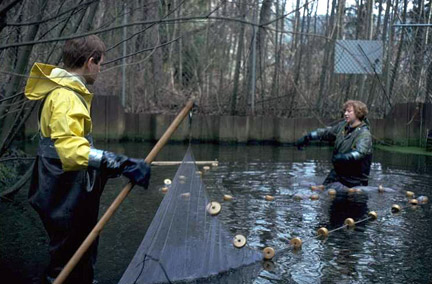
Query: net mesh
x,y
184,242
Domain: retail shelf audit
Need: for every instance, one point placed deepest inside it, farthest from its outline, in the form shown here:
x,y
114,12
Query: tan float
x,y
164,189
185,195
268,253
268,265
215,164
351,190
413,201
296,242
167,181
321,187
349,222
213,208
423,199
239,241
410,194
269,198
298,196
314,197
332,191
323,232
227,197
395,208
373,215
206,168
314,187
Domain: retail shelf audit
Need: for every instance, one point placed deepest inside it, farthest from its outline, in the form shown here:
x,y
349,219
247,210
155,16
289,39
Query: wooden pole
x,y
119,199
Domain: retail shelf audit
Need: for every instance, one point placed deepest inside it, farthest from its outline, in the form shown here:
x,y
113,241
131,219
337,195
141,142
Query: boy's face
x,y
92,70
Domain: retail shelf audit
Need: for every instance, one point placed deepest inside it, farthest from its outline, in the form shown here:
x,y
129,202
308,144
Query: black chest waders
x,y
356,173
68,204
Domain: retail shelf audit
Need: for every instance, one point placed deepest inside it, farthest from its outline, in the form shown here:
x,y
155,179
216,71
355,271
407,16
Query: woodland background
x,y
238,57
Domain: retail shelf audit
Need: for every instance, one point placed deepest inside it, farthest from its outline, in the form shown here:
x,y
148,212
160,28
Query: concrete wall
x,y
402,126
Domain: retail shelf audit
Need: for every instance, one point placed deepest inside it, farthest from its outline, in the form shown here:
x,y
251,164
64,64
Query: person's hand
x,y
304,141
340,158
112,164
138,171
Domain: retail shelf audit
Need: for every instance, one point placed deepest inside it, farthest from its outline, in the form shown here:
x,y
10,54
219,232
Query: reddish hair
x,y
360,109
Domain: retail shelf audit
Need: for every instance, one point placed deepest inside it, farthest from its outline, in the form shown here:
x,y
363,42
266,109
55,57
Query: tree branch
x,y
183,19
51,18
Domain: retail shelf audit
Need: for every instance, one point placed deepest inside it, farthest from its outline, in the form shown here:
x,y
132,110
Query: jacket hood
x,y
44,78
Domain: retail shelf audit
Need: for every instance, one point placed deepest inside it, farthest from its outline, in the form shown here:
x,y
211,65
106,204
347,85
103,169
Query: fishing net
x,y
184,242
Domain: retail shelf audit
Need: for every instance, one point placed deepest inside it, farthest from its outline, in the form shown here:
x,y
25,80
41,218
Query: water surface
x,y
393,249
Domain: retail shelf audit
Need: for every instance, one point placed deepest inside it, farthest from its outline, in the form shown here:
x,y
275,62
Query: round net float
x,y
268,265
349,222
410,194
215,164
164,189
321,187
213,208
351,190
206,168
296,242
185,195
268,253
413,201
269,198
322,232
182,177
395,208
423,199
373,215
331,191
227,197
314,197
239,241
380,188
314,187
167,181
199,173
297,196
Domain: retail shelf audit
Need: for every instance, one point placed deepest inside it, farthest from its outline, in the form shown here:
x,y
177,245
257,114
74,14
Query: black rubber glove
x,y
304,141
341,158
138,171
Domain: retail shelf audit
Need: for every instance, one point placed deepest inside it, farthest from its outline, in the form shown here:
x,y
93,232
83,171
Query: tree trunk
x,y
238,60
20,68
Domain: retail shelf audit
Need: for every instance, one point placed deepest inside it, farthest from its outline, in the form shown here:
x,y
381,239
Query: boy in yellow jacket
x,y
69,174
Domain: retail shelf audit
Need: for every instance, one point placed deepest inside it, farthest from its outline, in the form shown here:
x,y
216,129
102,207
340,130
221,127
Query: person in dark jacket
x,y
352,154
69,173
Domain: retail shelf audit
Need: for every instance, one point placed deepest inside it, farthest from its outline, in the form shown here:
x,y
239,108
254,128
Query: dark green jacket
x,y
356,145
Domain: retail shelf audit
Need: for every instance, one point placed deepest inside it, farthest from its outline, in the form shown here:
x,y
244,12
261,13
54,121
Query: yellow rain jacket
x,y
64,117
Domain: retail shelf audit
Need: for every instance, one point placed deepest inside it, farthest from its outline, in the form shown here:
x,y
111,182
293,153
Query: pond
x,y
396,248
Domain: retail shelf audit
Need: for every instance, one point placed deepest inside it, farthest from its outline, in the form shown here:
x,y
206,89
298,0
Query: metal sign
x,y
358,57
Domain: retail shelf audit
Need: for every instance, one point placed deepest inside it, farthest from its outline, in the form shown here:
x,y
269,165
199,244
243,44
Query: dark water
x,y
393,249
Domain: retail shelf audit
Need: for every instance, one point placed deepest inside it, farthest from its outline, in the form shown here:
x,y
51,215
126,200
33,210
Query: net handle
x,y
119,199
